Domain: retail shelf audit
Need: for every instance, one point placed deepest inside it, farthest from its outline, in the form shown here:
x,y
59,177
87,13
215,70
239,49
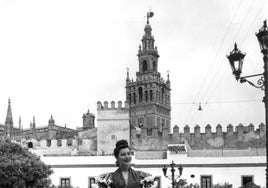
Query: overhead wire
x,y
217,102
235,37
217,53
251,6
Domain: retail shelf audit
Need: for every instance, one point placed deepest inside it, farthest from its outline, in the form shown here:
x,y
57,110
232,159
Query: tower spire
x,y
127,75
9,120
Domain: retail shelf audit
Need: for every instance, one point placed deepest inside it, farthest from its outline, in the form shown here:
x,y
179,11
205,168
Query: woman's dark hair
x,y
121,144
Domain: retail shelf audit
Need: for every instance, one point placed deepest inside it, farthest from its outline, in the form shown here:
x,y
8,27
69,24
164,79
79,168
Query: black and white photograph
x,y
133,94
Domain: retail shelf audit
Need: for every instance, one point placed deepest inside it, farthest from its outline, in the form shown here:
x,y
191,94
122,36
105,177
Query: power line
x,y
216,56
219,102
241,24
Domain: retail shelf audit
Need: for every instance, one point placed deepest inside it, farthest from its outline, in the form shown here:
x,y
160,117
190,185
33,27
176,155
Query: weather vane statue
x,y
149,15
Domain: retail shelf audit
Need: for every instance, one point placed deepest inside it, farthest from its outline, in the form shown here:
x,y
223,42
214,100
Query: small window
x,y
80,142
246,179
144,65
151,95
30,145
91,181
163,123
59,143
140,94
146,96
48,142
69,142
206,182
65,182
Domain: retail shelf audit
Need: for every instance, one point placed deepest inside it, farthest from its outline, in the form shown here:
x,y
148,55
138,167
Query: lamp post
x,y
236,58
172,170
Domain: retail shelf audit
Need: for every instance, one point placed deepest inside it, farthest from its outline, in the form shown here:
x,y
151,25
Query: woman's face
x,y
124,157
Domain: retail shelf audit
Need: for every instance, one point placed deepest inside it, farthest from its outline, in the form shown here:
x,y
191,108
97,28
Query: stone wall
x,y
242,137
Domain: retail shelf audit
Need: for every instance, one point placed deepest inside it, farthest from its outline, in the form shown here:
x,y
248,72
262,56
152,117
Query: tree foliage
x,y
251,185
19,168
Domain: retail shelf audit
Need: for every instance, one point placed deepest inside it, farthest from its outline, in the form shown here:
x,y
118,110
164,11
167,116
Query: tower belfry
x,y
149,95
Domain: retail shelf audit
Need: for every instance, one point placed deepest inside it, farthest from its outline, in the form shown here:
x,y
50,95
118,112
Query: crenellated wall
x,y
113,125
72,146
241,138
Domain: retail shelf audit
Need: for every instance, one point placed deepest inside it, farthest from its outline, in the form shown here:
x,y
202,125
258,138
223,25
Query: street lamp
x,y
172,170
236,61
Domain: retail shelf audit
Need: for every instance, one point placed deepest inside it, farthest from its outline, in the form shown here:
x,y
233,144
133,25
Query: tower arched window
x,y
144,65
140,94
151,95
154,66
146,96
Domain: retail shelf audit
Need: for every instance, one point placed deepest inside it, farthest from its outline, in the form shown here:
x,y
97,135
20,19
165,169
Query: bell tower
x,y
149,95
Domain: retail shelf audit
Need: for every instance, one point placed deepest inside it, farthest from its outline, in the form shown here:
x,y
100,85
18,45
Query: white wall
x,y
112,123
226,169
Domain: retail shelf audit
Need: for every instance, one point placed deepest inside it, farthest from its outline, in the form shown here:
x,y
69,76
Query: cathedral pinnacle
x,y
127,75
9,119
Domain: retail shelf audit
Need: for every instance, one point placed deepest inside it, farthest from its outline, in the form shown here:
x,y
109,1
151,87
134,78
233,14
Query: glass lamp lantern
x,y
262,36
236,58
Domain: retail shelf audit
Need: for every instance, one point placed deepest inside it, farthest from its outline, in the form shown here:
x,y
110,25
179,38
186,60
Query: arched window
x,y
151,95
154,66
144,65
146,96
140,94
30,145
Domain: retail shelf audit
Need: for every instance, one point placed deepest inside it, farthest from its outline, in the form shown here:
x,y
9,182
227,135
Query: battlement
x,y
240,128
242,137
112,106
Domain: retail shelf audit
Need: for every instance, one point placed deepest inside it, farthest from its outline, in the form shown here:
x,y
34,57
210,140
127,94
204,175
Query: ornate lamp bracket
x,y
259,84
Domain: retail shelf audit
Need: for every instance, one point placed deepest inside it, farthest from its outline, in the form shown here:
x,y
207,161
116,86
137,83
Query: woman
x,y
124,176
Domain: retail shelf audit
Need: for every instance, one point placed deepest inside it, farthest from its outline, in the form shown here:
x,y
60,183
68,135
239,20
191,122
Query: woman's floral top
x,y
136,179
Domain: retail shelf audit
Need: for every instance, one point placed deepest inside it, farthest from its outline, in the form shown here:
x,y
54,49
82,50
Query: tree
x,y
180,183
250,185
19,168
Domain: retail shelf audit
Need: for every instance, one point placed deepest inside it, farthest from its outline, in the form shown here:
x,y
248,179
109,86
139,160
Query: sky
x,y
60,57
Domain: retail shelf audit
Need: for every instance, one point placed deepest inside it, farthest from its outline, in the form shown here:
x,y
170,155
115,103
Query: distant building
x,y
35,136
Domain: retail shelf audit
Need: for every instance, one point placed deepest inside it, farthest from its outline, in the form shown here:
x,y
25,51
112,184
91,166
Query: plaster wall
x,y
113,125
